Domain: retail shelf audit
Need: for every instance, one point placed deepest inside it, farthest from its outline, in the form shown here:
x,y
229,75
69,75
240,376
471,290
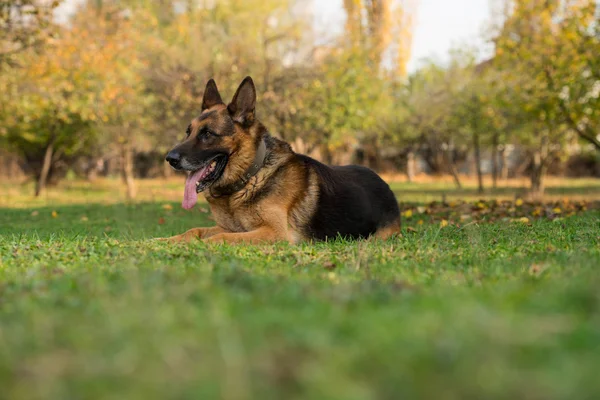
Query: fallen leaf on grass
x,y
536,269
54,214
329,265
443,223
35,213
497,210
161,221
167,207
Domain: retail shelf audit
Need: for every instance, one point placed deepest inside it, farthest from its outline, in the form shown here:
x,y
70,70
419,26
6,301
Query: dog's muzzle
x,y
174,158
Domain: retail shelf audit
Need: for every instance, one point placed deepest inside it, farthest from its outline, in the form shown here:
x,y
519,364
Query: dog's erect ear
x,y
242,106
211,95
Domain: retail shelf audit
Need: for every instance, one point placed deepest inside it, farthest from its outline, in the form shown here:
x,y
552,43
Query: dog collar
x,y
256,165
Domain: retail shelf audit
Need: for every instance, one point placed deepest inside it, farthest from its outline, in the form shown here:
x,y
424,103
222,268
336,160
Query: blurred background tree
x,y
112,88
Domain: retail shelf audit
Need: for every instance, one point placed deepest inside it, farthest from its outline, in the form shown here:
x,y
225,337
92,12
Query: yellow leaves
x,y
494,211
111,93
407,213
333,277
167,207
83,218
35,213
54,214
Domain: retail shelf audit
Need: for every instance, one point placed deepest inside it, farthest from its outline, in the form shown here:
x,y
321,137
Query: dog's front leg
x,y
264,234
195,233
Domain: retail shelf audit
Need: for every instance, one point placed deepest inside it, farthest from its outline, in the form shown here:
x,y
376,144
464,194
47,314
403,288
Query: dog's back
x,y
353,202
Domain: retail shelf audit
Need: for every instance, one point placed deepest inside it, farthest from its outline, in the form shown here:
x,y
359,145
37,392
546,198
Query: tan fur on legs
x,y
388,231
195,233
260,235
272,229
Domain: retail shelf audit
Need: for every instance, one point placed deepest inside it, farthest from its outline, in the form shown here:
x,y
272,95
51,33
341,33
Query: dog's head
x,y
219,142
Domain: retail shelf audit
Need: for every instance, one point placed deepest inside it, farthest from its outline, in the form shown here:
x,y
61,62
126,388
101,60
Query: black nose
x,y
173,158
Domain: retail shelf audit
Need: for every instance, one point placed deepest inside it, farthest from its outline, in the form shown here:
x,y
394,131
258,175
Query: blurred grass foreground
x,y
483,298
490,293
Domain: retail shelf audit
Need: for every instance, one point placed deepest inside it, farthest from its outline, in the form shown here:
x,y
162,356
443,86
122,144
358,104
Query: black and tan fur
x,y
292,197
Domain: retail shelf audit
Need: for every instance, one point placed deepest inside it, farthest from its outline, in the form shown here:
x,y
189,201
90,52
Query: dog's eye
x,y
205,134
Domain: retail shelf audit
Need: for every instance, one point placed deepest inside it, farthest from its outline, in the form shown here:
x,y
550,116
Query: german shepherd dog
x,y
259,190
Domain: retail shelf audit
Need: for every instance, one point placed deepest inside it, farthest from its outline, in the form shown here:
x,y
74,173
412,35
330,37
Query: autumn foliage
x,y
120,79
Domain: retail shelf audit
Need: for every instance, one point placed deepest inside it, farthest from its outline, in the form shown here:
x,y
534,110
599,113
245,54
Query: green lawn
x,y
90,309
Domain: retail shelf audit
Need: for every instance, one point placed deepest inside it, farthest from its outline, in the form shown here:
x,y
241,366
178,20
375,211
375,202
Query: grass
x,y
425,189
90,309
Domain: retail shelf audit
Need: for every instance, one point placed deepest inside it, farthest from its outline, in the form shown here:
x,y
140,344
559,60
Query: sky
x,y
440,24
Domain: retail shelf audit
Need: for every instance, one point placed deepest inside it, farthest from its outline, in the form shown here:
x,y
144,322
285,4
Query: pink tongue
x,y
190,197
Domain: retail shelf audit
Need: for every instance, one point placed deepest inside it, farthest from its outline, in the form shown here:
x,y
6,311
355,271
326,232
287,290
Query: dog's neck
x,y
252,170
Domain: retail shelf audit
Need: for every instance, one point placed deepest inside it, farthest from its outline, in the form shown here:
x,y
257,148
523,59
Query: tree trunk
x,y
477,154
43,178
451,168
411,166
504,163
522,167
326,154
127,170
536,175
376,157
538,170
93,169
372,158
454,174
495,161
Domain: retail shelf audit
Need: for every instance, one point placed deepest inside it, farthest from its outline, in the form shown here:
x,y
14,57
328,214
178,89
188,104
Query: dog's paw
x,y
177,239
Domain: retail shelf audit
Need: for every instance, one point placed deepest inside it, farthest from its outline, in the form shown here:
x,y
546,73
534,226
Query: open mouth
x,y
200,179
